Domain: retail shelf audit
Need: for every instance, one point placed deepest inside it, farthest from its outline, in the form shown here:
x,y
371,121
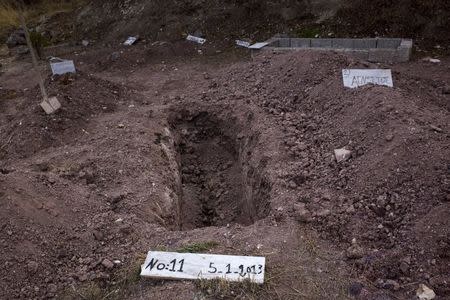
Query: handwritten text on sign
x,y
354,78
169,265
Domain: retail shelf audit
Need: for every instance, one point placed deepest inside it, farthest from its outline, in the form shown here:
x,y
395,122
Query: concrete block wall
x,y
372,49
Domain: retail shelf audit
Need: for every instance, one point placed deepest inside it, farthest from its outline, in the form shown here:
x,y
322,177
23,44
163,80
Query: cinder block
x,y
404,51
383,55
342,43
272,42
364,43
361,54
284,42
388,43
300,43
321,43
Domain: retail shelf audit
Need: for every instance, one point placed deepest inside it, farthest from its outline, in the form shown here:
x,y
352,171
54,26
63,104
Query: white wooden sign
x,y
63,67
195,39
354,78
242,43
258,45
171,265
130,41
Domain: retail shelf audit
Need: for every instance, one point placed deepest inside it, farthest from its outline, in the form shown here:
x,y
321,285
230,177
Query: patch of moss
x,y
308,32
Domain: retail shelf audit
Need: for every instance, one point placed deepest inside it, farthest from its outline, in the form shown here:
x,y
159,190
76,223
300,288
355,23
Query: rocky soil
x,y
160,146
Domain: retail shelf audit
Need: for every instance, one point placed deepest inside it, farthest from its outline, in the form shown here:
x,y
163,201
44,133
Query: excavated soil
x,y
229,149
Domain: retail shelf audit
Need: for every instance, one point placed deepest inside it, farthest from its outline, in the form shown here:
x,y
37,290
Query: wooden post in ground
x,y
49,105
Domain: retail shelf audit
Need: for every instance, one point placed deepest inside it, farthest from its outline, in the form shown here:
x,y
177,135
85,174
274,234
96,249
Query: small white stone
x,y
342,154
425,293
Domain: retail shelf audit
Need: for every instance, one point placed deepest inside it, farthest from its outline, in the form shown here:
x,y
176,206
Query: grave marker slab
x,y
171,265
258,45
130,40
354,78
195,39
242,43
62,67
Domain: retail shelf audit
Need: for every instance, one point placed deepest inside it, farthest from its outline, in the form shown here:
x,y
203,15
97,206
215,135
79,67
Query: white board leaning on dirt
x,y
354,78
171,265
242,43
62,67
258,45
130,41
195,39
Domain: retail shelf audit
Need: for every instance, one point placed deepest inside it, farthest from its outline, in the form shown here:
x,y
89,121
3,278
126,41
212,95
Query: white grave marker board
x,y
258,45
170,265
130,41
242,43
195,39
354,78
63,67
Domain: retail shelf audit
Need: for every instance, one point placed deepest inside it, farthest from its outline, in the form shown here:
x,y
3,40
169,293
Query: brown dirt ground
x,y
160,147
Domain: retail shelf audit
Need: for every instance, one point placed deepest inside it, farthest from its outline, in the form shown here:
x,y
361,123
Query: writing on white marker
x,y
354,78
170,265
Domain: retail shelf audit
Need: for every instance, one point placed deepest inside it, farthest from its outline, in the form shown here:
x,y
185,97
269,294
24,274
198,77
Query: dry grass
x,y
222,289
9,14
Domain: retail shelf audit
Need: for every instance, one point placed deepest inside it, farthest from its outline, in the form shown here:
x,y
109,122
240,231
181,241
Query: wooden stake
x,y
33,57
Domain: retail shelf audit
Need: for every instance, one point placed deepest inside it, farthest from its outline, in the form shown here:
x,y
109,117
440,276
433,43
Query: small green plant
x,y
197,247
131,274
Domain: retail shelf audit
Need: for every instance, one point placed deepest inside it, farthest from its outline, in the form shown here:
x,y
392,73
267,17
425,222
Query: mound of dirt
x,y
241,155
396,183
82,97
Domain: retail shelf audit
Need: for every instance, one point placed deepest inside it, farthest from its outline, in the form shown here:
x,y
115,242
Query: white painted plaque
x,y
258,45
242,43
354,78
195,39
63,67
171,265
130,41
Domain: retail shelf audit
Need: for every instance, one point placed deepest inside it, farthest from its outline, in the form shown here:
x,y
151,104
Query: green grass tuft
x,y
309,32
